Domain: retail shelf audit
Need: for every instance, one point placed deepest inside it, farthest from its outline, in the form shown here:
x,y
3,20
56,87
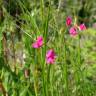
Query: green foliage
x,y
23,69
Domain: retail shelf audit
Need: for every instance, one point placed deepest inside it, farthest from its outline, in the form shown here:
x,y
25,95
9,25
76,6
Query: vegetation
x,y
47,48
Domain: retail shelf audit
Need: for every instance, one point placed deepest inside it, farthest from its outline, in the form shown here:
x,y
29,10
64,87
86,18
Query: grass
x,y
23,69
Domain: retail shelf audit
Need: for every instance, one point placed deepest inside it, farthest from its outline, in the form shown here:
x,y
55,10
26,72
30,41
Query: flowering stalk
x,y
45,31
50,60
50,79
79,66
64,66
66,71
35,85
35,74
82,27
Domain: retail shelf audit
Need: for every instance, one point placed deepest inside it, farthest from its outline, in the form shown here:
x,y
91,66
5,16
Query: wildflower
x,y
73,31
82,27
68,21
38,43
50,56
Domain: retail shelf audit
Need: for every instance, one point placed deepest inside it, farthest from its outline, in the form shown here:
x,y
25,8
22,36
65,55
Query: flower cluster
x,y
50,55
73,31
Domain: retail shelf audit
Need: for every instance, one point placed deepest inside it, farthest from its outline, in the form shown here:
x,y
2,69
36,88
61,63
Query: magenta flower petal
x,y
38,43
50,56
82,27
50,61
73,31
39,39
50,53
35,45
68,21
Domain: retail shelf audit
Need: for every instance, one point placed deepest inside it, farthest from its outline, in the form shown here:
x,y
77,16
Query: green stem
x,y
45,28
50,79
35,73
79,68
66,72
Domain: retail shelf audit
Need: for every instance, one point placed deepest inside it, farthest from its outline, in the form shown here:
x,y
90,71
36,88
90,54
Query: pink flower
x,y
82,27
50,56
38,43
73,31
68,21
